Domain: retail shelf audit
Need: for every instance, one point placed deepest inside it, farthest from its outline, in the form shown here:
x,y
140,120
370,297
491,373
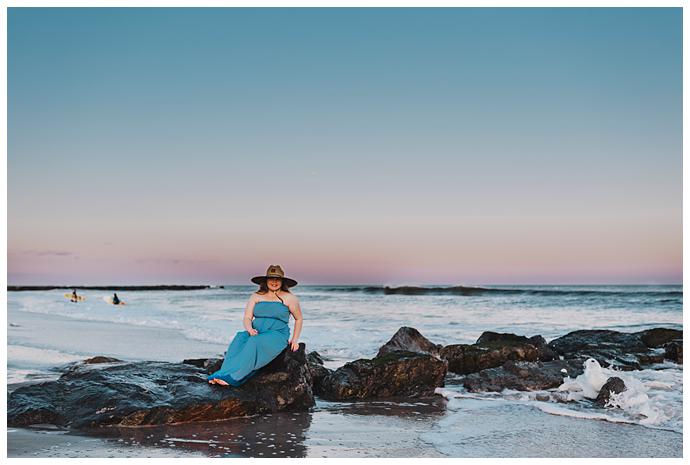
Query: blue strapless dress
x,y
246,354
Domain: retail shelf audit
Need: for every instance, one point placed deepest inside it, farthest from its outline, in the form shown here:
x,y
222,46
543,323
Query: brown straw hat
x,y
274,271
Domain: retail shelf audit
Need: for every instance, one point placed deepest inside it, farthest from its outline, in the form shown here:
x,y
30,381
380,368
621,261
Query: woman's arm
x,y
249,315
296,312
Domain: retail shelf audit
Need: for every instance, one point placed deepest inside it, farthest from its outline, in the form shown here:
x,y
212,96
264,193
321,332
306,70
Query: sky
x,y
374,145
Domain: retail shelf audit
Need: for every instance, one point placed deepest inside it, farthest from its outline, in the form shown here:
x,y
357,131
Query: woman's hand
x,y
294,345
252,332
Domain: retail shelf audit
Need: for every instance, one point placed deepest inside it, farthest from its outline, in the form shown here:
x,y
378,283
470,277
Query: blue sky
x,y
498,145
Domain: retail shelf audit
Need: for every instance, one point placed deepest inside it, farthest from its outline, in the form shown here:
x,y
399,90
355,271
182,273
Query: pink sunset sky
x,y
492,146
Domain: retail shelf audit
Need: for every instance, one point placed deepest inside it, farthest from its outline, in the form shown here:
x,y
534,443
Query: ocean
x,y
344,323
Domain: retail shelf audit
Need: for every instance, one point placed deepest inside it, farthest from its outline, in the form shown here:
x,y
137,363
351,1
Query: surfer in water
x,y
75,297
116,300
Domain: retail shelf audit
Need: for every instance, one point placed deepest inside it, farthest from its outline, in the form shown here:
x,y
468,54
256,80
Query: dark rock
x,y
546,353
522,376
397,373
100,359
411,340
87,364
210,365
613,385
154,393
649,359
674,351
625,351
472,358
491,339
627,362
317,371
467,358
494,349
585,341
315,358
658,337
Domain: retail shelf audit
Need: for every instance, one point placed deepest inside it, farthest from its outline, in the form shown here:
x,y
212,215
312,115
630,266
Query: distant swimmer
x,y
116,300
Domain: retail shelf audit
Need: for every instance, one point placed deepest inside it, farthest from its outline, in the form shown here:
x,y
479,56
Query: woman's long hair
x,y
263,288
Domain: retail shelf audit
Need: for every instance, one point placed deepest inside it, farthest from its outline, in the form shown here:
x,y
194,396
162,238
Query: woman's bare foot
x,y
217,381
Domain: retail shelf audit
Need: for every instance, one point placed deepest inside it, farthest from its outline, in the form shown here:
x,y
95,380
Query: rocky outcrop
x,y
522,376
575,343
491,339
397,373
648,359
494,349
613,385
674,351
155,393
103,391
411,340
98,360
499,361
317,371
470,358
658,337
626,351
210,365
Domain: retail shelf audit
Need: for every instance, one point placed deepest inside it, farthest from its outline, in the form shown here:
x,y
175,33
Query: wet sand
x,y
47,443
360,429
391,428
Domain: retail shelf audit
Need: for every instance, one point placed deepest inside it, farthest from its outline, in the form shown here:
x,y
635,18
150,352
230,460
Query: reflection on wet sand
x,y
269,435
375,428
329,429
404,407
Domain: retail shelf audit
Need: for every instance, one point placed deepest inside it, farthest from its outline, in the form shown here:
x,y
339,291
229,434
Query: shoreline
x,y
157,287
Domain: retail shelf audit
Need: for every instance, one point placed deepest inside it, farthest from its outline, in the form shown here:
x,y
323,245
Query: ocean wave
x,y
669,295
19,355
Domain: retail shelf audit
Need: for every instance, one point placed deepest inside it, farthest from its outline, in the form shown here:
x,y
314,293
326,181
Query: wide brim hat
x,y
274,271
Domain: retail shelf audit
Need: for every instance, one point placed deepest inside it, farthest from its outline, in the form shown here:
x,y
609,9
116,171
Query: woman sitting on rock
x,y
267,334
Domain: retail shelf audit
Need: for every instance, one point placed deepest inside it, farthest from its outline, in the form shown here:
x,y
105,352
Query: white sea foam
x,y
555,409
196,441
588,384
652,397
24,356
25,362
19,375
